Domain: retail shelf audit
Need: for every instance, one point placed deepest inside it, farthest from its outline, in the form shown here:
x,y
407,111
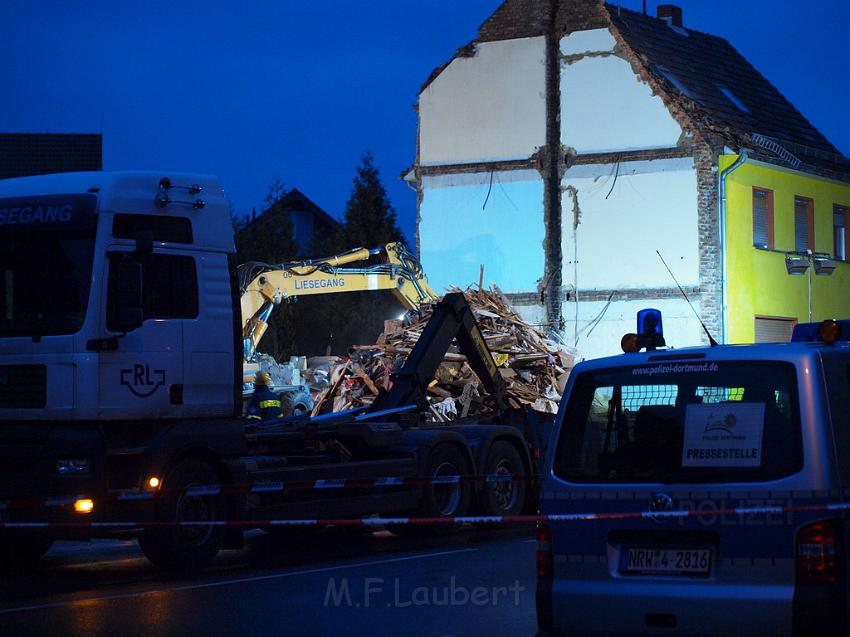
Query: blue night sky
x,y
301,89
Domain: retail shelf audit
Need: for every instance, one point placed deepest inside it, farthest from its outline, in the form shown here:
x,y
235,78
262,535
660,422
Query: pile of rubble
x,y
534,368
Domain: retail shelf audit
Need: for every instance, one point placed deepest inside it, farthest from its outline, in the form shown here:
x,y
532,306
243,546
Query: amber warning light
x,y
84,505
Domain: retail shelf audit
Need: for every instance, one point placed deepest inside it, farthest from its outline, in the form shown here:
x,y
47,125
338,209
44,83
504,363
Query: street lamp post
x,y
800,263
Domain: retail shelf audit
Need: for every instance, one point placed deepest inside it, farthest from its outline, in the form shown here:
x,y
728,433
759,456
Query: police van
x,y
700,491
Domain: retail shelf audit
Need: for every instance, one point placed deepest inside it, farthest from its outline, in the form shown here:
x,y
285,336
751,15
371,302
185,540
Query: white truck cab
x,y
69,278
120,349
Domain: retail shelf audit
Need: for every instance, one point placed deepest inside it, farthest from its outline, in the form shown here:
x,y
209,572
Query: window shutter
x,y
801,225
760,238
774,330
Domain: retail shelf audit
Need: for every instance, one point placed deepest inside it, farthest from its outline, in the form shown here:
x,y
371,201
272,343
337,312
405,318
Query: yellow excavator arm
x,y
264,286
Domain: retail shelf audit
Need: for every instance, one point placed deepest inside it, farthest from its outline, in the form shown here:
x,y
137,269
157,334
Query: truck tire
x,y
20,551
174,547
295,403
441,500
503,498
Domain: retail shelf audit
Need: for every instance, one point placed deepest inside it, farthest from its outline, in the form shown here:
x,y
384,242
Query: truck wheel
x,y
20,552
441,500
295,403
176,547
503,498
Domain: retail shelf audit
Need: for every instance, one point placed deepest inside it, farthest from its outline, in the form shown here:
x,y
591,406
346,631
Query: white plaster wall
x,y
458,233
488,107
681,328
590,41
533,315
652,206
606,107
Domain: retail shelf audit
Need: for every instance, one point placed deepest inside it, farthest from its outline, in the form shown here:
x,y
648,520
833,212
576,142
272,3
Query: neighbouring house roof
x,y
722,91
293,200
296,200
701,76
25,154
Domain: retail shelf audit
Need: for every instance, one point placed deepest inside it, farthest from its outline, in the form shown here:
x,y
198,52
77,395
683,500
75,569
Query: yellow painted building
x,y
771,211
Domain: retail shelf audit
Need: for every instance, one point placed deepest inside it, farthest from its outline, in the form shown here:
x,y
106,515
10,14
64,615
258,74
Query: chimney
x,y
671,14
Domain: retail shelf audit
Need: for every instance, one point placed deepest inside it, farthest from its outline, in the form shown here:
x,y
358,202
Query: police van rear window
x,y
682,422
166,229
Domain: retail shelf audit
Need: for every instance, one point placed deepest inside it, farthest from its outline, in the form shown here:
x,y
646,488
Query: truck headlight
x,y
73,466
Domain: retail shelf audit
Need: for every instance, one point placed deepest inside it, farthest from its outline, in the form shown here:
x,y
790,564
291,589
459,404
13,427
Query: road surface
x,y
477,582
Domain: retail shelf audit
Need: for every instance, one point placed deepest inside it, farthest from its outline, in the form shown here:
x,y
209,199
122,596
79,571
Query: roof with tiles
x,y
713,82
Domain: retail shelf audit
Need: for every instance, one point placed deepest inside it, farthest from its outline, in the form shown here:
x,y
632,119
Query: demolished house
x,y
573,142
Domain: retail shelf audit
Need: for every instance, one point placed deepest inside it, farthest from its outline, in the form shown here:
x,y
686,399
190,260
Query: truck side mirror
x,y
129,314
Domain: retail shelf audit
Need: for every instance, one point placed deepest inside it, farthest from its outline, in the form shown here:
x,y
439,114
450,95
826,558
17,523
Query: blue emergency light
x,y
650,332
649,322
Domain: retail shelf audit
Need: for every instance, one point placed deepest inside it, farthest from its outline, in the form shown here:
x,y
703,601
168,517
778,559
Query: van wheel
x,y
20,552
176,547
508,497
295,403
441,500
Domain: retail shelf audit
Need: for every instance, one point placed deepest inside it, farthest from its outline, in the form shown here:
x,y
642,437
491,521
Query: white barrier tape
x,y
271,487
267,487
52,502
204,490
494,519
388,482
143,495
330,484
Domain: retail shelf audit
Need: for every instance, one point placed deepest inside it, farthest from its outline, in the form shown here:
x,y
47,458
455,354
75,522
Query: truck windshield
x,y
46,249
703,422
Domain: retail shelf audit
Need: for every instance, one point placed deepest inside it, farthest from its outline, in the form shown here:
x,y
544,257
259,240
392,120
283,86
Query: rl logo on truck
x,y
139,380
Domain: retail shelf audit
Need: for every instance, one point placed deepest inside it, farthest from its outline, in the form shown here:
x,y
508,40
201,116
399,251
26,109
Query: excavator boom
x,y
264,286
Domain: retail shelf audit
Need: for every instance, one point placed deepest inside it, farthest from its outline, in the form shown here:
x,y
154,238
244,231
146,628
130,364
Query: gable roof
x,y
700,76
25,154
297,200
294,200
712,81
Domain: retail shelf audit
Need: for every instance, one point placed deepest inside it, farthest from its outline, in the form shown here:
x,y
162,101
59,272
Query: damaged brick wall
x,y
710,268
516,19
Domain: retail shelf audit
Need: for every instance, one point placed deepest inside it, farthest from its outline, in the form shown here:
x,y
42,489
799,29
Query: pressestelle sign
x,y
723,435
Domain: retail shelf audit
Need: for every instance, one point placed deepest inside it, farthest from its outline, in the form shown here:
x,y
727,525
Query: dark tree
x,y
370,219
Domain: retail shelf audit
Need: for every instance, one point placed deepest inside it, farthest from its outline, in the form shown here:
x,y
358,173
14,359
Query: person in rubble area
x,y
265,404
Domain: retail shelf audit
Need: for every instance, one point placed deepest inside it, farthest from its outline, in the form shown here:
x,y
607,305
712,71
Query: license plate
x,y
687,561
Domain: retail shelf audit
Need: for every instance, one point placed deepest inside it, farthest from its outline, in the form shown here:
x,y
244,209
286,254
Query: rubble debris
x,y
534,367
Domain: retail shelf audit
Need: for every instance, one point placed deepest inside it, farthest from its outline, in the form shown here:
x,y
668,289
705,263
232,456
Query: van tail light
x,y
545,617
820,553
820,596
544,551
